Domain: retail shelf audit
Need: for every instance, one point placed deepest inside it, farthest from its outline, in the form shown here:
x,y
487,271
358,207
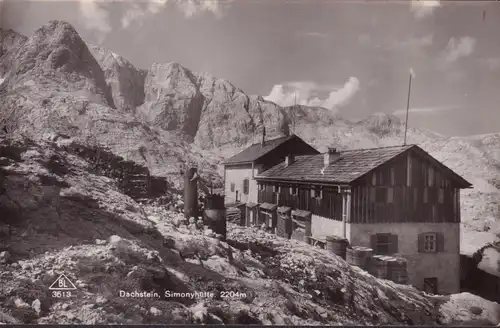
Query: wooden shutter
x,y
393,246
439,242
421,243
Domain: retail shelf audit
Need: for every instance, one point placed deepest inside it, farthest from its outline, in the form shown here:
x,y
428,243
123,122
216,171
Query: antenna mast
x,y
408,106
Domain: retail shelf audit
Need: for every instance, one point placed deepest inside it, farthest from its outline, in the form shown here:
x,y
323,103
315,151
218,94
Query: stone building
x,y
396,200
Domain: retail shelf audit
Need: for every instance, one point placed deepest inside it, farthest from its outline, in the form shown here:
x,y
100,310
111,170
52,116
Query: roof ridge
x,y
384,147
284,137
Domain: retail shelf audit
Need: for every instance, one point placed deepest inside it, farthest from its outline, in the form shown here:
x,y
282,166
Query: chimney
x,y
330,156
289,159
263,136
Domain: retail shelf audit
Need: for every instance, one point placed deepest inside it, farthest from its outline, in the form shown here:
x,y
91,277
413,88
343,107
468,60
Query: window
x,y
246,183
393,176
232,186
261,187
390,195
426,195
293,191
313,193
275,188
385,243
441,196
431,176
374,179
434,212
431,285
428,242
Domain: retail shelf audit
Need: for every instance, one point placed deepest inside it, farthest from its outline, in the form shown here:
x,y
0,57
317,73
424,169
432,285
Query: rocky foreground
x,y
57,217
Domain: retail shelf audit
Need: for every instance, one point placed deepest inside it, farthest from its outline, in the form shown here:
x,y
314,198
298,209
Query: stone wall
x,y
133,179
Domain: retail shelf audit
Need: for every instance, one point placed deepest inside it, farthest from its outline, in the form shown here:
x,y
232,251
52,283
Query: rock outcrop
x,y
125,80
10,41
58,61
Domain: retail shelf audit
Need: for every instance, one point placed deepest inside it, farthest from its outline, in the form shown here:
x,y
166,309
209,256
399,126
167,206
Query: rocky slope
x,y
167,116
55,85
57,217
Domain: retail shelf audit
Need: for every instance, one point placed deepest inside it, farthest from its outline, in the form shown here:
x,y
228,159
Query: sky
x,y
352,57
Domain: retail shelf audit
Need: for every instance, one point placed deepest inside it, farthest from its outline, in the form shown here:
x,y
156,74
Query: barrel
x,y
215,215
359,256
397,270
337,245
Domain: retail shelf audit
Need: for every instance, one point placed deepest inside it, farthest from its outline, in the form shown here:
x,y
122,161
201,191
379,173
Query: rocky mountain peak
x,y
56,58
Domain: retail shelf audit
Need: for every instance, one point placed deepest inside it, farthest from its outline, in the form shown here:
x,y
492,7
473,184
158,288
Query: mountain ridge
x,y
168,116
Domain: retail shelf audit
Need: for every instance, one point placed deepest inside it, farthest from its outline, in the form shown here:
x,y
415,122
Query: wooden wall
x,y
407,189
329,205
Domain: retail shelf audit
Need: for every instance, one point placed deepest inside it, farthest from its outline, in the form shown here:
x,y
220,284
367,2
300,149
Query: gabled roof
x,y
256,151
352,165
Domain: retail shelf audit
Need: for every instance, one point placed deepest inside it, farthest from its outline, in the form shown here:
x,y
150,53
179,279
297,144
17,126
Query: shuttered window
x,y
390,195
431,176
384,243
430,242
441,196
246,184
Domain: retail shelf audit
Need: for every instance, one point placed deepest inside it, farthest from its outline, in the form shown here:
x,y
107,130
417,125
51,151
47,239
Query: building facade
x,y
241,169
396,200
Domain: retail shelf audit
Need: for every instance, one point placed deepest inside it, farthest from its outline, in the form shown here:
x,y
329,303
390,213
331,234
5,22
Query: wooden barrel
x,y
215,215
337,245
359,256
397,270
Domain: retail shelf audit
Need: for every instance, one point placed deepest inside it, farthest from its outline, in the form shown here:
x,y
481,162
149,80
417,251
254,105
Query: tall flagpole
x,y
408,105
294,109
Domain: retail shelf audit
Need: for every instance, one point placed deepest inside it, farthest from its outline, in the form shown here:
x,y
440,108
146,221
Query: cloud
x,y
424,8
307,93
139,11
457,49
95,17
423,110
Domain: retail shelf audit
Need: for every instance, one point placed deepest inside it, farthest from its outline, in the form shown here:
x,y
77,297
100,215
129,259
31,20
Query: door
x,y
431,285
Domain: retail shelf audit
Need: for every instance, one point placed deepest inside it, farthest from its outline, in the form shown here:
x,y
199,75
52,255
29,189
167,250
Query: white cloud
x,y
423,110
305,93
138,11
457,49
95,17
424,8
